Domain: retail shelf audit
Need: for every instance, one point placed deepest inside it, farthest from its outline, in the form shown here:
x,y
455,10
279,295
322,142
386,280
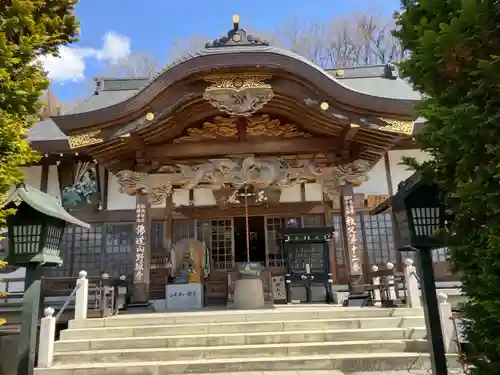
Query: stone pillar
x,y
447,325
140,291
81,296
353,261
377,297
46,339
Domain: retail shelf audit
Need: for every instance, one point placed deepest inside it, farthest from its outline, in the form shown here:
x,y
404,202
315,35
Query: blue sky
x,y
153,25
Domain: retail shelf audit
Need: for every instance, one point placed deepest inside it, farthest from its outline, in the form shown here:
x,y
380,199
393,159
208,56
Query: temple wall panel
x,y
117,200
33,176
204,197
180,197
399,172
313,192
53,185
376,183
291,194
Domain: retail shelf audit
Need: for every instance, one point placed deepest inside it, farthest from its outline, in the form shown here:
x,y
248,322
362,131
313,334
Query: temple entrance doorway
x,y
257,236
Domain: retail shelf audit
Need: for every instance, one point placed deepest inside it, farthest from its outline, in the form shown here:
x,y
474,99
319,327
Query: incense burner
x,y
249,270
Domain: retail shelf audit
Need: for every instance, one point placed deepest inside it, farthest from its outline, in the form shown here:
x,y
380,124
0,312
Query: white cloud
x,y
68,66
116,47
71,62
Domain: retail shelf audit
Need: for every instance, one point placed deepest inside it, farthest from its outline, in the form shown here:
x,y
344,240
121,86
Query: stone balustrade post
x,y
122,293
412,285
47,338
81,296
446,316
377,297
391,287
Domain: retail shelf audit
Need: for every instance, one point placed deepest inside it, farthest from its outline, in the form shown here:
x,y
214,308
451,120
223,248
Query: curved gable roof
x,y
246,52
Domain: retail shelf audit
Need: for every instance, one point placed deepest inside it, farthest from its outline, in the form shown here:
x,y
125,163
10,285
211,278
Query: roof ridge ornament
x,y
236,37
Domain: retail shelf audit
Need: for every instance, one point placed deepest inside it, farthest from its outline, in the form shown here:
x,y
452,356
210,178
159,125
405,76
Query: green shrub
x,y
454,61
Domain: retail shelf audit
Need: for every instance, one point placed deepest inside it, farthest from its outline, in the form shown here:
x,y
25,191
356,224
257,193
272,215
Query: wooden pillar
x,y
390,190
105,190
354,257
168,232
332,253
140,294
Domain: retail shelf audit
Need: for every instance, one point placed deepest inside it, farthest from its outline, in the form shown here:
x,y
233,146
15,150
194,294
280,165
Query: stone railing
x,y
111,294
386,293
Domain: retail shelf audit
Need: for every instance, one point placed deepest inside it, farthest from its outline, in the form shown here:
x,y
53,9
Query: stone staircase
x,y
285,338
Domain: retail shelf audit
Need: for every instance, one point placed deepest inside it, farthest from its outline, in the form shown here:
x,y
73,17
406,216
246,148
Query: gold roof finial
x,y
236,22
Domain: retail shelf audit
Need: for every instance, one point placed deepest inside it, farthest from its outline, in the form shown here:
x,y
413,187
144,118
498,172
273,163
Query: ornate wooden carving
x,y
397,126
226,128
85,139
263,125
374,200
220,127
238,95
261,173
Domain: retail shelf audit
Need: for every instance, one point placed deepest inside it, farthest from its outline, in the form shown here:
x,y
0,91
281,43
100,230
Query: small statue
x,y
188,262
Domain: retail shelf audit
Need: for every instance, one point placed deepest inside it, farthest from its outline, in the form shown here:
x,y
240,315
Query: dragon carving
x,y
262,173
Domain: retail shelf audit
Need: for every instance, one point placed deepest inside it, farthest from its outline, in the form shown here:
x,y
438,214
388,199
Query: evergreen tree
x,y
28,29
454,61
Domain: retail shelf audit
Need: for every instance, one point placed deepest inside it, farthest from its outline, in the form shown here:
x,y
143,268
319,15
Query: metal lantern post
x,y
419,216
34,235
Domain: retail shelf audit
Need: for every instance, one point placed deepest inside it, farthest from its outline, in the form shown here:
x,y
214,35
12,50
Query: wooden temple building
x,y
315,147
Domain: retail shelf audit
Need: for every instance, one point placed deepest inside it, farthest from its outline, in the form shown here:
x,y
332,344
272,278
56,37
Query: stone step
x,y
301,313
348,362
249,338
147,328
232,351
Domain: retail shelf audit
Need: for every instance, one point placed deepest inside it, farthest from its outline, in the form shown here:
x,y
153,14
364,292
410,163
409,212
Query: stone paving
x,y
329,372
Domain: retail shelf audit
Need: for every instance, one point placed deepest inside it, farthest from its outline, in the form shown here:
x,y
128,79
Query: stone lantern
x,y
419,219
34,234
35,231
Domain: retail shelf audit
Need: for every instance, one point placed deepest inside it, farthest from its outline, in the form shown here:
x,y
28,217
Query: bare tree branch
x,y
51,105
308,39
136,65
180,48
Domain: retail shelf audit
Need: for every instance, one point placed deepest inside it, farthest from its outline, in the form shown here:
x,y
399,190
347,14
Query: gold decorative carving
x,y
373,201
226,128
85,139
238,95
221,127
262,125
398,126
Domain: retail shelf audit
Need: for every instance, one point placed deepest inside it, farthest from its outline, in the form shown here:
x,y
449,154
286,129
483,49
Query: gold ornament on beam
x,y
238,95
397,126
220,128
263,125
85,139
